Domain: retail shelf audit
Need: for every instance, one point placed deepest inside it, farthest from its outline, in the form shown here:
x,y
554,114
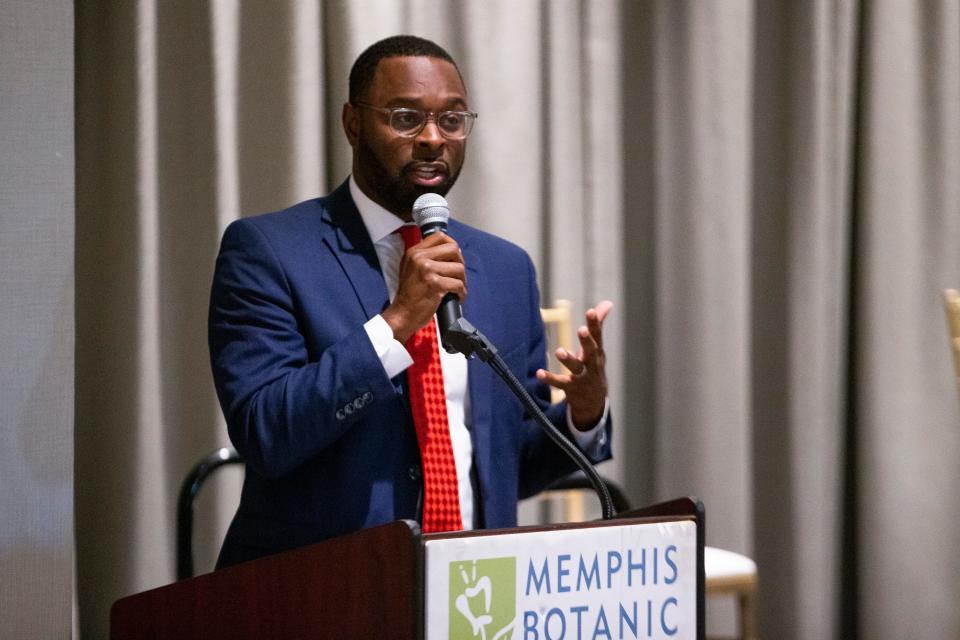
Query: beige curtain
x,y
36,319
768,190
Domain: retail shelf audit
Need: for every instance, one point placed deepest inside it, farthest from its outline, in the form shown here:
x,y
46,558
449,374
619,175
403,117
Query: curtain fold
x,y
768,191
802,154
701,226
907,250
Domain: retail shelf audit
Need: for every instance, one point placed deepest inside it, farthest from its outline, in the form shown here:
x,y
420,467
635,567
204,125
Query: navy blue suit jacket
x,y
327,437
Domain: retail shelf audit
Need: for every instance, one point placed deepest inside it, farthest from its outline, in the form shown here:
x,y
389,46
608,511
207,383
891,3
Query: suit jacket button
x,y
414,472
367,397
358,403
340,415
348,408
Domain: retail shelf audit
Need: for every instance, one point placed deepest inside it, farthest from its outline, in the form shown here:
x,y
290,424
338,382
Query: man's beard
x,y
397,193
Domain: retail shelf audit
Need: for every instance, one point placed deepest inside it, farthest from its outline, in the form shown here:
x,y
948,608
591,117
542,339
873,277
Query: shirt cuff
x,y
594,439
393,356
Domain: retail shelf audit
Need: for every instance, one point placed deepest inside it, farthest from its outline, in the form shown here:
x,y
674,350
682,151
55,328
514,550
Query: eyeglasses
x,y
453,125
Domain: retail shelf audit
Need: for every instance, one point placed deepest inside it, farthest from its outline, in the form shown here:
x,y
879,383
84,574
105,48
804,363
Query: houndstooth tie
x,y
428,402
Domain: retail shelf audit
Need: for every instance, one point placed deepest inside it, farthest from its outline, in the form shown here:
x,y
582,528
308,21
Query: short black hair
x,y
361,74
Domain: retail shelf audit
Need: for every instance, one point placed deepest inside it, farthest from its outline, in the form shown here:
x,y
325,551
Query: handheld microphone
x,y
430,213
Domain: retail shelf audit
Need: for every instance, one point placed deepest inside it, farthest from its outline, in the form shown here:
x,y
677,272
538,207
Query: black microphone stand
x,y
464,338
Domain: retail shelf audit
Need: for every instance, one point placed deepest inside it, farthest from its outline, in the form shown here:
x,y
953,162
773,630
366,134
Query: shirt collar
x,y
379,222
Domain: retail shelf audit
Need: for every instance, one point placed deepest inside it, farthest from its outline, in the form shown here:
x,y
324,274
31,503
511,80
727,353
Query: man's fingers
x,y
446,269
560,381
437,243
443,276
595,317
603,308
586,381
571,362
452,285
435,239
448,251
588,343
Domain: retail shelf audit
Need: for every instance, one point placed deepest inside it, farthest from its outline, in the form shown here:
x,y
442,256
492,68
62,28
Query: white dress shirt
x,y
381,225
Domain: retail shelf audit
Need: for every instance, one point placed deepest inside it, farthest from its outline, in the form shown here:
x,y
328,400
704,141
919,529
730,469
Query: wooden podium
x,y
370,584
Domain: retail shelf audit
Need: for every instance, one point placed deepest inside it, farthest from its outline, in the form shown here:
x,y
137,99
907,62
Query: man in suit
x,y
323,344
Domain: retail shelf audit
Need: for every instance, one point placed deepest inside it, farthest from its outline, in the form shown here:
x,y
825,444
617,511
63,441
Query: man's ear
x,y
351,123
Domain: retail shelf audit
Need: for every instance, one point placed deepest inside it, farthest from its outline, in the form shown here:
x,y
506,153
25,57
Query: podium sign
x,y
639,576
608,581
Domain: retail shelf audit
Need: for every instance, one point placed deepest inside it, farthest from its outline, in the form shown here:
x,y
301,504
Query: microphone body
x,y
430,213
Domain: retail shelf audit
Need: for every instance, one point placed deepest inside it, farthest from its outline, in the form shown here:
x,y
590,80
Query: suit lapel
x,y
350,243
479,310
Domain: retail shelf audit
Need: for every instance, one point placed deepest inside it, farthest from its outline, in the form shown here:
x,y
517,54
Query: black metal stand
x,y
188,491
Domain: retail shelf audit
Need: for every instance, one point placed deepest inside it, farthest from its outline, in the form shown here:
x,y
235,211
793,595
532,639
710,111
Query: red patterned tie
x,y
428,401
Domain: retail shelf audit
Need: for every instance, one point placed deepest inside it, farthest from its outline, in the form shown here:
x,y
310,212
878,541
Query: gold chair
x,y
951,300
557,324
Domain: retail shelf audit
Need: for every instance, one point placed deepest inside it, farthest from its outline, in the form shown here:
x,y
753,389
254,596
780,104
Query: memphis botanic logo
x,y
483,598
620,593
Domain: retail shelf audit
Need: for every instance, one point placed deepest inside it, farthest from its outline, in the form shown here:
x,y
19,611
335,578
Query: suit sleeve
x,y
281,408
542,461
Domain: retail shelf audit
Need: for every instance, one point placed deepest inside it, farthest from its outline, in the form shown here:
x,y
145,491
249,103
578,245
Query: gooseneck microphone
x,y
430,213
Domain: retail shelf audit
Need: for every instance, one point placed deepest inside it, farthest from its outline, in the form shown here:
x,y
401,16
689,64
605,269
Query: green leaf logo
x,y
483,598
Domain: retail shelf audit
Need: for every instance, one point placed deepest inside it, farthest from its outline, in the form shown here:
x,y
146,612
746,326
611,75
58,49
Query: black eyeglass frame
x,y
470,118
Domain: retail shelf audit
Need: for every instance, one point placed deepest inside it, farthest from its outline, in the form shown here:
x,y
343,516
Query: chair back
x,y
189,489
557,325
951,300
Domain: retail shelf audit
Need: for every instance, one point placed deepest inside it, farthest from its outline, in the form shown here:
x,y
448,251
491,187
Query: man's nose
x,y
430,135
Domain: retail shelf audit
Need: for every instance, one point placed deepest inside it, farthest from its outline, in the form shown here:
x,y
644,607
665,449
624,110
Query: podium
x,y
637,576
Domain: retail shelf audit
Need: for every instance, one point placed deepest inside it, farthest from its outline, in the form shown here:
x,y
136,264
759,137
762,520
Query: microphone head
x,y
430,209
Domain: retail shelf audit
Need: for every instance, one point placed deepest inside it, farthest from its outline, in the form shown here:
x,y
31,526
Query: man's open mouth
x,y
427,174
